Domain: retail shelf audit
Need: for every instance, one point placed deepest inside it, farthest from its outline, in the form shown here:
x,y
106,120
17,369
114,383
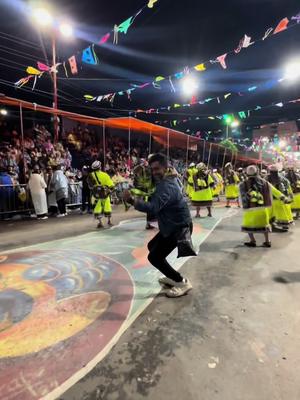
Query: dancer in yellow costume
x,y
256,194
294,179
202,196
281,215
143,187
191,171
218,188
101,186
231,181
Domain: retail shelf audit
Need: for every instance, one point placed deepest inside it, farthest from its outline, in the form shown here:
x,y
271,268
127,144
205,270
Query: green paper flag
x,y
124,26
159,78
177,105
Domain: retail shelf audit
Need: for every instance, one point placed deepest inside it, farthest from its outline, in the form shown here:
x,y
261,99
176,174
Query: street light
x,y
3,112
230,122
44,19
189,85
292,70
235,124
66,29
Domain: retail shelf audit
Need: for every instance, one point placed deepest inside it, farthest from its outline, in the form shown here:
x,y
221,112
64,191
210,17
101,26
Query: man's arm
x,y
158,201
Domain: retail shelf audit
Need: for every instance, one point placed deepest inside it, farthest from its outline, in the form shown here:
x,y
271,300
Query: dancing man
x,y
169,206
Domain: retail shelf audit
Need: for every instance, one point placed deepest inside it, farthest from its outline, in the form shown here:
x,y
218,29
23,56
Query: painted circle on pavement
x,y
58,310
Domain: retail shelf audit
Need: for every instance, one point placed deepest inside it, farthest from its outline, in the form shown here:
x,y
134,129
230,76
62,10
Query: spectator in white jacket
x,y
61,185
37,186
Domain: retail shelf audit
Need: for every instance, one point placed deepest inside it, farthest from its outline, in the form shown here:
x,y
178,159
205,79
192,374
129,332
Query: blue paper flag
x,y
89,56
179,75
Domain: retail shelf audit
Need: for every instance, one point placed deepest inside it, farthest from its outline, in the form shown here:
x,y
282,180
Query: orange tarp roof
x,y
159,133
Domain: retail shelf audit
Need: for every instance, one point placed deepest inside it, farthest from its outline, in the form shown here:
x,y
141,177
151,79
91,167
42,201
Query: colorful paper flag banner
x,y
124,26
221,60
244,43
43,67
282,26
105,38
73,65
151,3
200,67
32,71
296,18
241,114
89,56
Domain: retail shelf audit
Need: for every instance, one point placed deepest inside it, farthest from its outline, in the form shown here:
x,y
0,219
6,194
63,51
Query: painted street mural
x,y
63,304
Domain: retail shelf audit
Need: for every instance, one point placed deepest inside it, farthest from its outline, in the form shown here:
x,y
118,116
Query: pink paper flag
x,y
282,26
221,60
43,67
105,38
243,44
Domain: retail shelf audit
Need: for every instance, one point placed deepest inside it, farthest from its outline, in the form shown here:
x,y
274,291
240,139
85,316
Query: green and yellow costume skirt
x,y
296,202
281,213
232,192
256,220
202,198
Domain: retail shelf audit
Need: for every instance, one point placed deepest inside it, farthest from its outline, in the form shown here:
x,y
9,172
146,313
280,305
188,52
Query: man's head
x,y
36,169
96,166
228,167
252,171
159,165
264,173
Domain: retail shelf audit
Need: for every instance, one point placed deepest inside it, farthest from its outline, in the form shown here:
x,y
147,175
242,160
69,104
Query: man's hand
x,y
127,197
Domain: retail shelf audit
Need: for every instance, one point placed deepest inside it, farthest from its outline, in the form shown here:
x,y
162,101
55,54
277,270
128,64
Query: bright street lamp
x,y
292,70
66,29
42,17
235,124
3,111
189,86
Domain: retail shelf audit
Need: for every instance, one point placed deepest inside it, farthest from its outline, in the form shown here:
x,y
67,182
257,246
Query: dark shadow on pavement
x,y
287,277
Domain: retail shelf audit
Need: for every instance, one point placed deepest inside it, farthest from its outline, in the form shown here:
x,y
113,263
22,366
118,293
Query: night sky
x,y
162,41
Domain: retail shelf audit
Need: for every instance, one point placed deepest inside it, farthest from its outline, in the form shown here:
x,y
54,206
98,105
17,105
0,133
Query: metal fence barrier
x,y
16,199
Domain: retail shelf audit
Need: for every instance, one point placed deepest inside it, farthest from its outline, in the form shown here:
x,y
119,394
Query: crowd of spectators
x,y
77,149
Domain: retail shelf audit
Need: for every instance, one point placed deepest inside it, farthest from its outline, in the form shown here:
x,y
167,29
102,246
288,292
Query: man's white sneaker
x,y
61,215
166,281
180,289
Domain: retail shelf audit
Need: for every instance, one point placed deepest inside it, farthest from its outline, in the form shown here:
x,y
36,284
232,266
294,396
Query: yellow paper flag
x,y
200,67
89,97
33,71
159,78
